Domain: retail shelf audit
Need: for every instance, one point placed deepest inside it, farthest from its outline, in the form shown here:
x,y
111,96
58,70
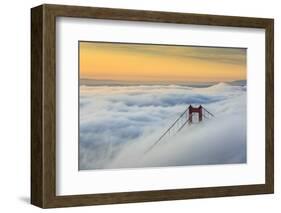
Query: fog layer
x,y
119,123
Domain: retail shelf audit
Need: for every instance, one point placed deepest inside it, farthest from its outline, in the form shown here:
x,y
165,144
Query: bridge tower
x,y
192,110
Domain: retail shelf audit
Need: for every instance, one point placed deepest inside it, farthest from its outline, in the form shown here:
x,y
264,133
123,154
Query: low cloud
x,y
119,123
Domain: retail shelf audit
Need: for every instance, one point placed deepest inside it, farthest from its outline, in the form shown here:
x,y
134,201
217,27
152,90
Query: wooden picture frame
x,y
43,105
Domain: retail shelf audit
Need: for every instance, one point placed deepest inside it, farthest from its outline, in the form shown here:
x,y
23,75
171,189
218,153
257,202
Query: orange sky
x,y
161,63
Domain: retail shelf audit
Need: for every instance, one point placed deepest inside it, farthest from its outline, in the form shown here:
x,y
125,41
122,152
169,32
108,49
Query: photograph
x,y
161,105
140,105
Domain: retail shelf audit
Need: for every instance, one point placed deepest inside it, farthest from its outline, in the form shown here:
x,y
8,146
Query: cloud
x,y
119,123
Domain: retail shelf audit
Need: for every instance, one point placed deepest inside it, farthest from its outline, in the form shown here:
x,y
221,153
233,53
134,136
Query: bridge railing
x,y
178,125
174,125
207,114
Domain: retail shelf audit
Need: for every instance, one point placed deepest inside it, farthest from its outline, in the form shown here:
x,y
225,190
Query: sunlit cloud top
x,y
161,63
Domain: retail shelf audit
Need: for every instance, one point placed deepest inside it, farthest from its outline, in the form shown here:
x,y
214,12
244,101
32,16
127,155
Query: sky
x,y
160,63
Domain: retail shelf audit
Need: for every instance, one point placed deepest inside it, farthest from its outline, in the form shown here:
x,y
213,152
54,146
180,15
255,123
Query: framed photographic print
x,y
135,106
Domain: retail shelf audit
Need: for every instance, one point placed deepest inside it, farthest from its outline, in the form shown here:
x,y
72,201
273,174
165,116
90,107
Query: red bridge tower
x,y
192,110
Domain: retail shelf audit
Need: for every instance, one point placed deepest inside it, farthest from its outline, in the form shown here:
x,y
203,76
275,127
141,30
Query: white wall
x,y
15,107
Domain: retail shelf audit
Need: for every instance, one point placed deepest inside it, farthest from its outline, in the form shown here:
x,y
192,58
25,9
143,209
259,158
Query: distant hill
x,y
238,83
95,82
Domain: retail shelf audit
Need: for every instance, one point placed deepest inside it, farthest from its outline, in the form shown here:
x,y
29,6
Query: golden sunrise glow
x,y
161,63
